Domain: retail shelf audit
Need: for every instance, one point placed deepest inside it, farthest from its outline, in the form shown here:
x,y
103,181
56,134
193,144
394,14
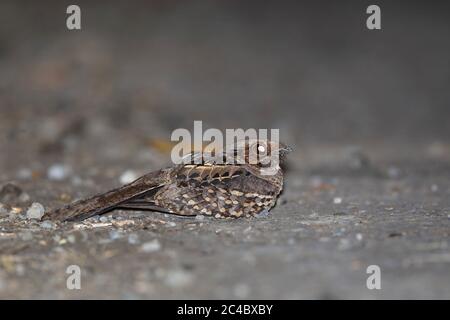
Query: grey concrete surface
x,y
366,112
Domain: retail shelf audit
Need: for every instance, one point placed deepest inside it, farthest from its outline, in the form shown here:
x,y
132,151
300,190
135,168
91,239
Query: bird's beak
x,y
284,149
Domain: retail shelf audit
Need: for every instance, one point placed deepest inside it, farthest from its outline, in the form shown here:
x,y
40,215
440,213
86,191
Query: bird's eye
x,y
261,148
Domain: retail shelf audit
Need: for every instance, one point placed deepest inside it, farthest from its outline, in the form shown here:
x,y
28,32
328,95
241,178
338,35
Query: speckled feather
x,y
219,190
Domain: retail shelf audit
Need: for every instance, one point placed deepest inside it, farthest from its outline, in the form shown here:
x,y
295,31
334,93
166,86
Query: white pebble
x,y
36,211
128,176
133,239
114,235
337,200
151,246
178,278
171,224
58,172
359,236
47,224
20,269
71,238
200,217
434,188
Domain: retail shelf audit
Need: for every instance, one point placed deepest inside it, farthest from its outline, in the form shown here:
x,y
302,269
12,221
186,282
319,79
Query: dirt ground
x,y
367,115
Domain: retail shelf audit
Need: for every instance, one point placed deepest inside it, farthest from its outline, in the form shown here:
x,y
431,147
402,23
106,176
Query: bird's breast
x,y
234,194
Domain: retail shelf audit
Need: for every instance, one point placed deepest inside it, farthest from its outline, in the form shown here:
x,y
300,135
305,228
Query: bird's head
x,y
262,153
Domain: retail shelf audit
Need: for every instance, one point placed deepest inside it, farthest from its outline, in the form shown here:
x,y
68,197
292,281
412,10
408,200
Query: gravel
x,y
368,121
36,211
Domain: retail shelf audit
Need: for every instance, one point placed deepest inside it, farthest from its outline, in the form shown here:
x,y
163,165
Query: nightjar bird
x,y
236,186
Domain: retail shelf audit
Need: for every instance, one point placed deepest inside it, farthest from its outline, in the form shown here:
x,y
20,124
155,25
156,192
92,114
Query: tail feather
x,y
105,202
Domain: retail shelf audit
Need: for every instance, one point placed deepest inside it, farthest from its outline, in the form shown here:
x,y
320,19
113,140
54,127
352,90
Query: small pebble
x,y
359,236
133,239
128,176
47,224
434,188
178,278
58,172
36,211
393,172
114,235
71,238
65,197
15,213
103,219
337,200
171,224
151,246
200,217
20,269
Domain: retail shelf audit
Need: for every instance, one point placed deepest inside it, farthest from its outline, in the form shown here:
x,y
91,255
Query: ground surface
x,y
367,115
311,246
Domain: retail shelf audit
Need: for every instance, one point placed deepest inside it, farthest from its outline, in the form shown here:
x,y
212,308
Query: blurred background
x,y
138,70
366,111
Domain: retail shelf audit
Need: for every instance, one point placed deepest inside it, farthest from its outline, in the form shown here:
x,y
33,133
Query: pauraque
x,y
225,189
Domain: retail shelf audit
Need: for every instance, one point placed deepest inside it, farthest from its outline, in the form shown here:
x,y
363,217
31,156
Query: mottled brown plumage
x,y
227,189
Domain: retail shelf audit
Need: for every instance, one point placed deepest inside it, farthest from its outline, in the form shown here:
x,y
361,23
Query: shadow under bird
x,y
234,187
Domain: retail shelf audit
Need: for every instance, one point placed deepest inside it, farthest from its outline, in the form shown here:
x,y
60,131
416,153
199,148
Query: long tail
x,y
105,202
